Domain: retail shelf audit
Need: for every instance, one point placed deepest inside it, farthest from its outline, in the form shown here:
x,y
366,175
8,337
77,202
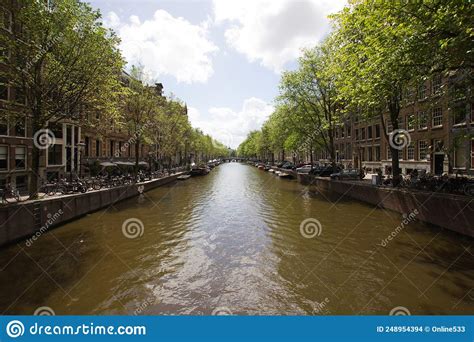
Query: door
x,y
438,164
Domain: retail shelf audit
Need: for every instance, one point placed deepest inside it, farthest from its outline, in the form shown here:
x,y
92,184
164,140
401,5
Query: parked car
x,y
324,171
347,174
304,169
288,166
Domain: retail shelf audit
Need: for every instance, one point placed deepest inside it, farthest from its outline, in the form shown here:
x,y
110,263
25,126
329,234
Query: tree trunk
x,y
394,110
35,165
137,149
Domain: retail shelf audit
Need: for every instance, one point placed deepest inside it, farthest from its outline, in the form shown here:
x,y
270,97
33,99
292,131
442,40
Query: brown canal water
x,y
230,242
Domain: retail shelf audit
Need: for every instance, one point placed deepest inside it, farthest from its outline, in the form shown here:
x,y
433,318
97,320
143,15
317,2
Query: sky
x,y
224,58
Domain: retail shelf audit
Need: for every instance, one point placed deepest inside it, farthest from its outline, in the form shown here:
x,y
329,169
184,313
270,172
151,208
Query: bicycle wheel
x,y
9,197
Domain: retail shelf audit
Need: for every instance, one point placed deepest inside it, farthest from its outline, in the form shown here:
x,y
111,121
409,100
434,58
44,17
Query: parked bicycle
x,y
9,194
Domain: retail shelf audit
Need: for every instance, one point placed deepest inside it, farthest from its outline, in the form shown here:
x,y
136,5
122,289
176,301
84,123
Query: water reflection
x,y
232,240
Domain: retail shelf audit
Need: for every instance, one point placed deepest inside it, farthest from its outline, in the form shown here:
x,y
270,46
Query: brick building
x,y
439,119
71,141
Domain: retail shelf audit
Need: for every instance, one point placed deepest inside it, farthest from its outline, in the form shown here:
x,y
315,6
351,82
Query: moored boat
x,y
184,177
199,171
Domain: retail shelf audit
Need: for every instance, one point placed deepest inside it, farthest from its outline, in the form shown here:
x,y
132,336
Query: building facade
x,y
438,122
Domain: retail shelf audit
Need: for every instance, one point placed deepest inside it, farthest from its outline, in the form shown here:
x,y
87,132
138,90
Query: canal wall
x,y
452,212
22,220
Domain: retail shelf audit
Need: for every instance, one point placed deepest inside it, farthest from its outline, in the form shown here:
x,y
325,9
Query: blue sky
x,y
223,58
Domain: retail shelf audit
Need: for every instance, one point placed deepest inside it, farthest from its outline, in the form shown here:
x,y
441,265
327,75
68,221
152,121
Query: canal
x,y
230,242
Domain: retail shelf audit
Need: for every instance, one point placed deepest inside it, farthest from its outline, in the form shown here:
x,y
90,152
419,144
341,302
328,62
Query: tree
x,y
63,63
373,67
386,48
309,97
139,103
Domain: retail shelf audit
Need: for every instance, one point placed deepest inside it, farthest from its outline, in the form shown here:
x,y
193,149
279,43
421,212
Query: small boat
x,y
199,171
277,172
271,170
261,167
184,177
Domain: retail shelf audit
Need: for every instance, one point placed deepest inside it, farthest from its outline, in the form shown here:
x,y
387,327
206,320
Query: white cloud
x,y
274,31
166,45
231,127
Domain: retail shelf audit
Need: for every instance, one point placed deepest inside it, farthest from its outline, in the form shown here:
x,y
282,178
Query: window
x,y
20,97
3,158
389,127
377,131
112,148
411,152
336,132
57,129
408,94
377,153
97,148
362,153
68,135
357,133
437,117
422,150
460,156
389,153
459,114
411,122
362,131
5,19
3,127
87,142
342,131
76,135
422,120
55,154
369,132
20,128
422,91
4,89
370,151
349,131
436,84
20,158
